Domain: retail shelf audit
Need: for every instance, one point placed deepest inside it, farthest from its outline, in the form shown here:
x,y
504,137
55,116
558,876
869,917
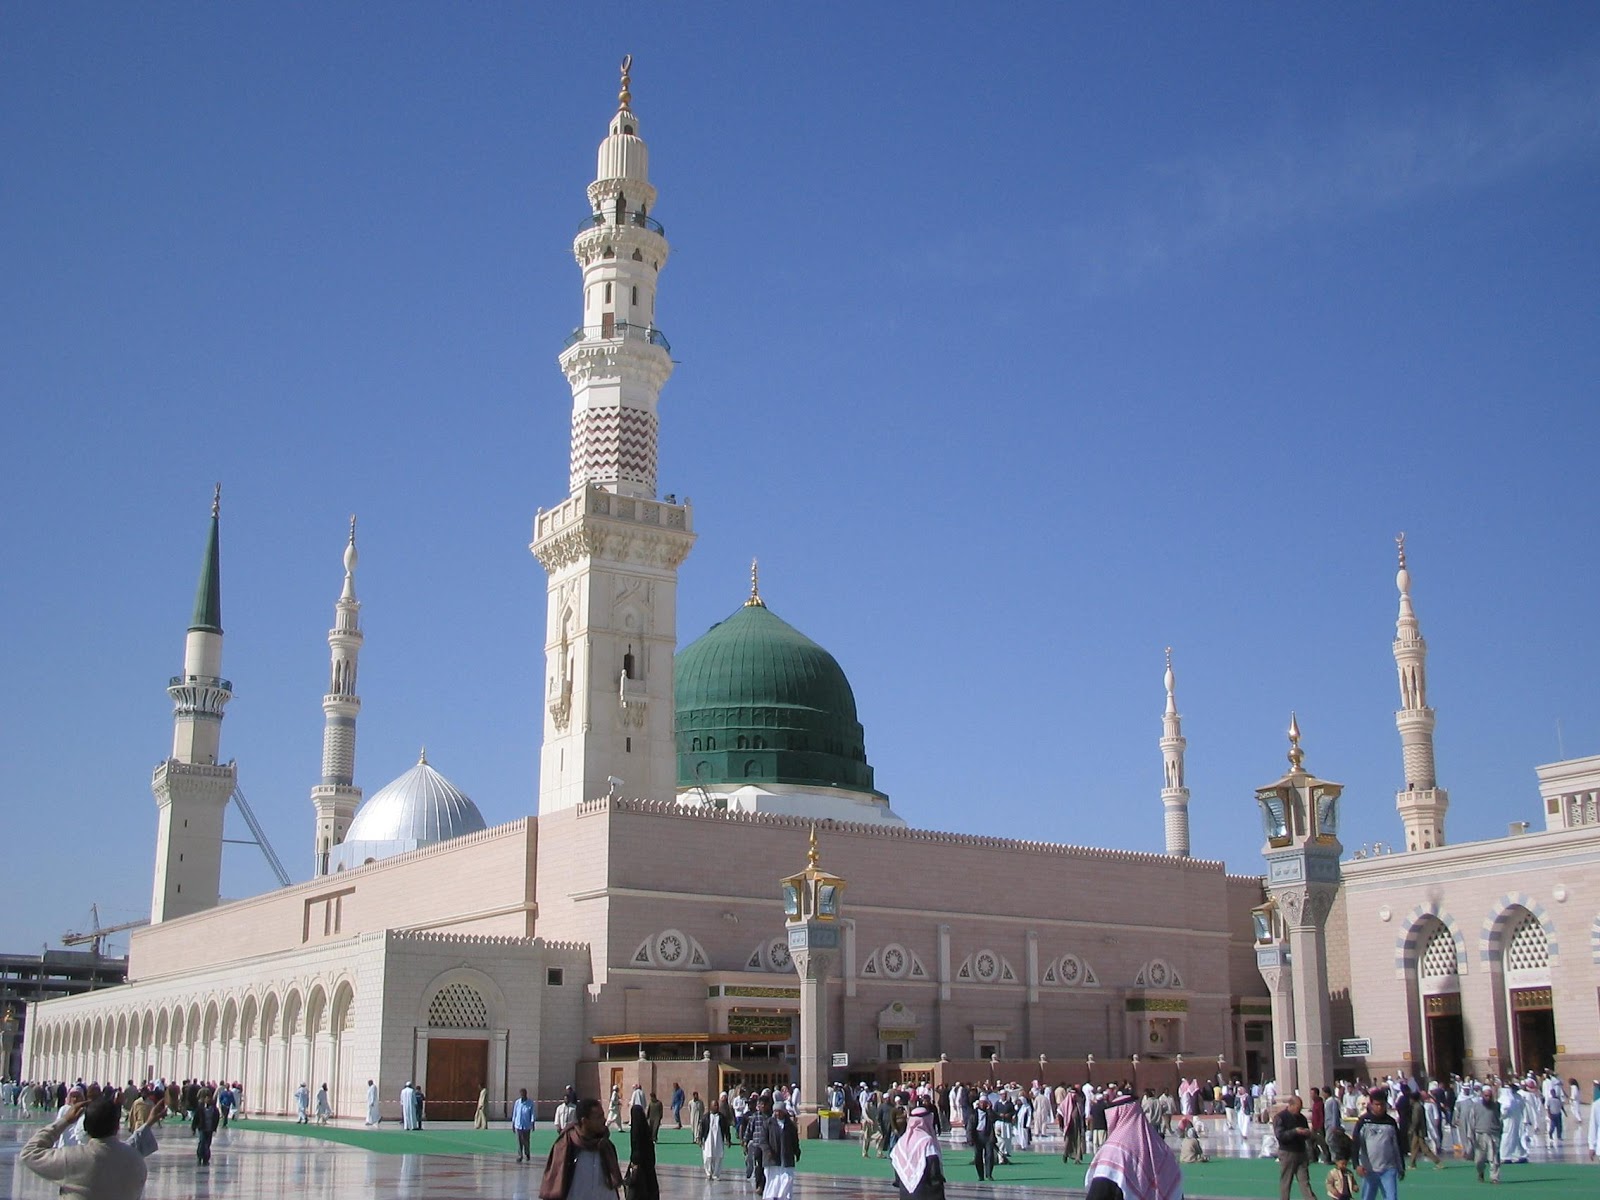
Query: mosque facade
x,y
631,928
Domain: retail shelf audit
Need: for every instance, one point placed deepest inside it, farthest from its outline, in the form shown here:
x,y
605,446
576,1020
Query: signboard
x,y
1291,1050
841,1060
1355,1047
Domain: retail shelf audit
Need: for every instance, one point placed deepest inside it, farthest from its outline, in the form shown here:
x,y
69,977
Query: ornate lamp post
x,y
1219,1068
811,902
1300,816
1090,1063
1041,1068
994,1067
1135,1074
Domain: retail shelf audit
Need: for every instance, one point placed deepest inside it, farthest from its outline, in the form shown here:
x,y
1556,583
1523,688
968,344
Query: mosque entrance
x,y
1534,1021
1446,1035
458,1068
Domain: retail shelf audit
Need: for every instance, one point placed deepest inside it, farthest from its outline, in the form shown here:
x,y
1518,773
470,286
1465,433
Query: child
x,y
1341,1183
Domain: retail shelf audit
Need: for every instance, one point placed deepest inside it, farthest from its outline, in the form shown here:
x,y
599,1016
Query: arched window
x,y
627,664
752,769
742,742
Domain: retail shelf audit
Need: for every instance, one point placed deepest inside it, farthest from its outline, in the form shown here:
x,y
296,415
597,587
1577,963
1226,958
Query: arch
x,y
192,1025
1507,910
316,1010
293,1012
493,999
344,999
1414,932
163,1027
1594,940
249,1012
271,1011
230,1019
213,1019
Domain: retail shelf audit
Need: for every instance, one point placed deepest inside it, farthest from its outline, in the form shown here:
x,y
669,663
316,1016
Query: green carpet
x,y
1245,1179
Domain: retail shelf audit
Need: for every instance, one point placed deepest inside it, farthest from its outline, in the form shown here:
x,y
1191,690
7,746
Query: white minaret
x,y
336,797
1422,803
191,787
611,549
1174,795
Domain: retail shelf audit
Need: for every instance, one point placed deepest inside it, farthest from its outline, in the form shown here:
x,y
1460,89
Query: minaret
x,y
611,549
191,787
1174,794
336,797
1422,803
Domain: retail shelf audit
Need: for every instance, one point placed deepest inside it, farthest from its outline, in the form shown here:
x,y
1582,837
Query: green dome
x,y
760,702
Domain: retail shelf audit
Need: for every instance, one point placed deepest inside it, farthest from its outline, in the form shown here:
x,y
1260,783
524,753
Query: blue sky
x,y
1018,341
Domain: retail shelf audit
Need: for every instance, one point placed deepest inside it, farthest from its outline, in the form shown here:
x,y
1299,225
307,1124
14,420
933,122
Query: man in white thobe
x,y
408,1106
373,1115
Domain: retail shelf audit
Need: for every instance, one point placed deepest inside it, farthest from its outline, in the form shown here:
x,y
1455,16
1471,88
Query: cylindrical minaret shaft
x,y
191,788
1174,792
611,549
1422,802
336,797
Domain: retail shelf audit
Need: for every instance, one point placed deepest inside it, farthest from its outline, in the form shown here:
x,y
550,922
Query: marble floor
x,y
255,1165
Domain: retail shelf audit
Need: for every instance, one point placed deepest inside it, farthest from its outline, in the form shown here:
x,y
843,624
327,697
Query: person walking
x,y
981,1137
677,1106
653,1116
374,1114
697,1109
583,1162
480,1117
918,1169
640,1176
1481,1125
324,1105
522,1124
225,1100
1380,1157
1293,1132
755,1143
1133,1163
712,1132
204,1120
104,1167
781,1153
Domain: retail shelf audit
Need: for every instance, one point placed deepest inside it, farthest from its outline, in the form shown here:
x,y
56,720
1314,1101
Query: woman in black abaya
x,y
641,1172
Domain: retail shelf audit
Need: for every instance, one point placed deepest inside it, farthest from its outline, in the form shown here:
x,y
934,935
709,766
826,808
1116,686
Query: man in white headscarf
x,y
918,1169
408,1107
1134,1163
374,1116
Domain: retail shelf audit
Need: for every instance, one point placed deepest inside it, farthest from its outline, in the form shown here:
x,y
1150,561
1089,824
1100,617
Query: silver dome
x,y
419,808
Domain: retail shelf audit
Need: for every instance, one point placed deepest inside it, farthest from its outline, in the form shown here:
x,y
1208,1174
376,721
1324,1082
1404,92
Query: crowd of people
x,y
1369,1135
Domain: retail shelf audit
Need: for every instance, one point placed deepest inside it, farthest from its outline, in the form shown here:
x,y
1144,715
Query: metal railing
x,y
600,219
209,681
622,329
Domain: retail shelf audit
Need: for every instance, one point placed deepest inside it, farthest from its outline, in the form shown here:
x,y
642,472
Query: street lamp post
x,y
1090,1062
811,902
1135,1074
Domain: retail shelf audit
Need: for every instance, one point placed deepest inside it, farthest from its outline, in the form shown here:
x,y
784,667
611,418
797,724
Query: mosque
x,y
595,946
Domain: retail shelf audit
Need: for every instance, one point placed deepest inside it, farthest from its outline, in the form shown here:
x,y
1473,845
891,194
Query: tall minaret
x,y
611,549
1422,803
191,787
336,797
1174,793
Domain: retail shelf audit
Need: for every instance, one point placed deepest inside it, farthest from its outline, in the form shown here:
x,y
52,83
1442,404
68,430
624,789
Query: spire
x,y
422,758
1422,802
208,595
350,560
1174,791
1297,756
625,94
755,600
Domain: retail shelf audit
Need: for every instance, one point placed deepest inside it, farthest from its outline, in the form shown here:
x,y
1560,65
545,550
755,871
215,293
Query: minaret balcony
x,y
624,330
599,220
200,681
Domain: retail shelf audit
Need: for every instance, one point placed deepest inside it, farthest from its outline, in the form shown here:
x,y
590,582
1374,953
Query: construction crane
x,y
98,933
260,838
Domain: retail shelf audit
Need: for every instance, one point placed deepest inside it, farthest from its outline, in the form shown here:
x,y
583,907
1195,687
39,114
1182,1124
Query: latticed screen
x,y
1527,949
1439,955
458,1006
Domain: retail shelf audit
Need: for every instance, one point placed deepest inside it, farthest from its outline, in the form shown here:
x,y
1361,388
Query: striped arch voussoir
x,y
1594,941
1493,926
1407,947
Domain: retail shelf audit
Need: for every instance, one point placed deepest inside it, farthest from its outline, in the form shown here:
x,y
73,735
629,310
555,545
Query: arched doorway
x,y
1530,1009
458,1052
1438,983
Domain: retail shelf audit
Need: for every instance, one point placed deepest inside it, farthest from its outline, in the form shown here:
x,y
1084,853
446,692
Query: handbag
x,y
627,1183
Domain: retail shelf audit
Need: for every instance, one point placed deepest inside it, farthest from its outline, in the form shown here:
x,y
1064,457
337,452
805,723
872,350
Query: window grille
x,y
458,1006
1527,948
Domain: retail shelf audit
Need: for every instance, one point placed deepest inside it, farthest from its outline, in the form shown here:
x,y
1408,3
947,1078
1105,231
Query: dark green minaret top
x,y
208,595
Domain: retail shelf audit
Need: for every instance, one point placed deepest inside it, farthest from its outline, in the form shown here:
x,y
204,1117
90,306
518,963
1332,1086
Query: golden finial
x,y
625,97
422,759
1296,755
755,600
216,501
812,855
1400,544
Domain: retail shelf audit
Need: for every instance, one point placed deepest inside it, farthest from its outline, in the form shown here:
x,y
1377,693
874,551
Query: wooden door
x,y
458,1069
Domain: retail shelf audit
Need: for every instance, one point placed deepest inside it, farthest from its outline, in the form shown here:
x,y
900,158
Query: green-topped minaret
x,y
191,787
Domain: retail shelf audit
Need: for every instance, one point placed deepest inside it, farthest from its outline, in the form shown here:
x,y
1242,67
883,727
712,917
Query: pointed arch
x,y
1415,931
1505,913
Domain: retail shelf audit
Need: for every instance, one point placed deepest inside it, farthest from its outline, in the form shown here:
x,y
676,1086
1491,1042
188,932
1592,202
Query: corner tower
x,y
191,788
612,549
1422,803
336,797
1174,794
